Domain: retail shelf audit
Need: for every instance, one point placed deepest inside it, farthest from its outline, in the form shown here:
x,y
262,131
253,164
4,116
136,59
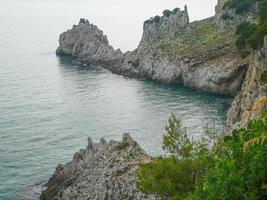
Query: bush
x,y
240,6
167,13
157,19
240,171
226,16
149,21
263,11
245,30
175,10
264,77
234,168
176,176
250,33
166,177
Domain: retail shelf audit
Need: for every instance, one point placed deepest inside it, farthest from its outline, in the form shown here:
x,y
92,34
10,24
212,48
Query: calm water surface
x,y
50,105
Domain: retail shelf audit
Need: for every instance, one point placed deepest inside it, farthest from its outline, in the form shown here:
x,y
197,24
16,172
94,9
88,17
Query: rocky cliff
x,y
88,44
201,54
101,171
252,98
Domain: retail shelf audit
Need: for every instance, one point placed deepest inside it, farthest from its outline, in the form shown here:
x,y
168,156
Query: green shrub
x,y
263,11
232,169
251,34
167,13
149,21
240,6
245,30
226,16
176,176
166,177
264,77
239,173
157,19
175,11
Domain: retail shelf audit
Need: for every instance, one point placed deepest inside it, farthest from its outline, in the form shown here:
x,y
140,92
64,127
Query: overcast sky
x,y
121,20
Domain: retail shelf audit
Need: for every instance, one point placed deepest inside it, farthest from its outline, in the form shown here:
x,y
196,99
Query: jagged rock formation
x,y
252,99
101,171
172,50
201,54
88,44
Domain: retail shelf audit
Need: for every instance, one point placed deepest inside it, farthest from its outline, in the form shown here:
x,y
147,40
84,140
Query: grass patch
x,y
201,36
264,77
122,146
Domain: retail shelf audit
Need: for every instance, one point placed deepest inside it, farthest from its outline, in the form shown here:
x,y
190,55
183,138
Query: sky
x,y
121,20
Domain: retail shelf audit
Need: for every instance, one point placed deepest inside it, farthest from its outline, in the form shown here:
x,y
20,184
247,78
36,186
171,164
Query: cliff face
x,y
200,54
172,50
88,44
252,99
101,171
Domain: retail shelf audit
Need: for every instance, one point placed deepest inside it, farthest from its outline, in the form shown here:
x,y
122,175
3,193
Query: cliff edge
x,y
200,54
104,170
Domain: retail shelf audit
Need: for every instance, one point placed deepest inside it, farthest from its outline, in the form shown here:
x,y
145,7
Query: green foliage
x,y
264,77
166,177
176,176
251,34
201,37
226,16
239,173
149,21
245,30
122,146
240,6
209,169
176,141
167,13
157,19
175,10
263,11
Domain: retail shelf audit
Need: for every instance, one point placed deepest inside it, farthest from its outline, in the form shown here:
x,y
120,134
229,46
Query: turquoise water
x,y
50,105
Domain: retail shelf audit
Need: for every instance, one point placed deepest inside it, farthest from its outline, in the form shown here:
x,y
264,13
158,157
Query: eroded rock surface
x,y
87,43
201,54
252,99
105,170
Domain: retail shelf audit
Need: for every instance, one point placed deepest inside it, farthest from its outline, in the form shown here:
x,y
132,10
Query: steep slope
x,y
105,170
252,99
201,54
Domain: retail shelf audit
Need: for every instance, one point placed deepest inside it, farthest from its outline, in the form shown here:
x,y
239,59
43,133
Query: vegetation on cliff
x,y
233,167
200,36
157,18
250,33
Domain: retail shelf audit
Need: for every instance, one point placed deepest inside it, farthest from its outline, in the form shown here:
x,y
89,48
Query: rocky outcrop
x,y
88,44
201,54
252,99
101,171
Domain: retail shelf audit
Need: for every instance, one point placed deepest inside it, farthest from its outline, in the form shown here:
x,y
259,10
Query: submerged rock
x,y
105,170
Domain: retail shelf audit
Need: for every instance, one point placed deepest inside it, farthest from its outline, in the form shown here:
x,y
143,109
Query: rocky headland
x,y
104,170
200,54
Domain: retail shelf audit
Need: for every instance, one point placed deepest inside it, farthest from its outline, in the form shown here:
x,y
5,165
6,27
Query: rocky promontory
x,y
200,54
104,170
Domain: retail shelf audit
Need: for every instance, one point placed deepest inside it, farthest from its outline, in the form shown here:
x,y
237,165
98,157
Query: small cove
x,y
50,105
